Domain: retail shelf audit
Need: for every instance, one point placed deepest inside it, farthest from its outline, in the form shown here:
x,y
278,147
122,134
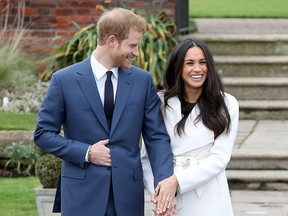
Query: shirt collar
x,y
99,70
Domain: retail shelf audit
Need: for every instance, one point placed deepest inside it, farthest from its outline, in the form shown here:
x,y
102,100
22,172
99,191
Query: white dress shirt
x,y
99,72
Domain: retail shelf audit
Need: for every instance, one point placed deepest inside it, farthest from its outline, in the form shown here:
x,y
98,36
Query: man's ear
x,y
111,41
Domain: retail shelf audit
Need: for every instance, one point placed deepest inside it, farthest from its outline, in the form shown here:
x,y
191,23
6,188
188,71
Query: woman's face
x,y
194,70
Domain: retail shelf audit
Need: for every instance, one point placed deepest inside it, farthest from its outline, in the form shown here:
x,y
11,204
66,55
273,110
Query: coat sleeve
x,y
147,171
218,158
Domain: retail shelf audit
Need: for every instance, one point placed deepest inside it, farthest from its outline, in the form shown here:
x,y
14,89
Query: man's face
x,y
127,49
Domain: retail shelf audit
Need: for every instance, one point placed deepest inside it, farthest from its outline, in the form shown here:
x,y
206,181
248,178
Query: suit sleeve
x,y
49,122
218,158
155,136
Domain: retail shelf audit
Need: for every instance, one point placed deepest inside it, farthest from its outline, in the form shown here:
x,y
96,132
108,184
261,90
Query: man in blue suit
x,y
101,171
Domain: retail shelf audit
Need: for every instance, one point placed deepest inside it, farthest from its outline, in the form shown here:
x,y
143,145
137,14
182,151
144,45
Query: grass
x,y
238,9
17,196
17,121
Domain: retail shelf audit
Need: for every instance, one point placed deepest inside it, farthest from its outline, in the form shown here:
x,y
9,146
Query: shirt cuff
x,y
87,154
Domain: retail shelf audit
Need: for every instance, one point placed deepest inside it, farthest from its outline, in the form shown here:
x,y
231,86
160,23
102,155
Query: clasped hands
x,y
164,197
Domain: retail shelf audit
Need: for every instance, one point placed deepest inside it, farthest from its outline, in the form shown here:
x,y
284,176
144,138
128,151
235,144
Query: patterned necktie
x,y
108,98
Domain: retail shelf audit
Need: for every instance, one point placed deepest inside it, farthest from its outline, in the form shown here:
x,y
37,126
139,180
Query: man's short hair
x,y
118,22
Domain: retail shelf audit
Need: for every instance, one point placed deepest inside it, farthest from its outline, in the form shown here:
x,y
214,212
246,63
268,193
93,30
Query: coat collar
x,y
196,135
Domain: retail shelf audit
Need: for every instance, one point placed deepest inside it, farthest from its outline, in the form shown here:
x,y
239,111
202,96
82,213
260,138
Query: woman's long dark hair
x,y
213,110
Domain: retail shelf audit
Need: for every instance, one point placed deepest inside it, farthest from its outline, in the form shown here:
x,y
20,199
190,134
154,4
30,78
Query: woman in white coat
x,y
202,121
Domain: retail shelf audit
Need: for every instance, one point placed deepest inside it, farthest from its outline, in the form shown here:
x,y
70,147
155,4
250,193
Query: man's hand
x,y
100,154
164,193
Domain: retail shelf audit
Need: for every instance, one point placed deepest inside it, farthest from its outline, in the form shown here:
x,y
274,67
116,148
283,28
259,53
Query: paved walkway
x,y
260,203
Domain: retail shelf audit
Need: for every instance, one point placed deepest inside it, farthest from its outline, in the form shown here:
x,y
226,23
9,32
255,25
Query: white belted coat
x,y
199,162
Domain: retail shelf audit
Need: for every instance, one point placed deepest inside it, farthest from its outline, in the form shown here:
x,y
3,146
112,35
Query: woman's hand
x,y
164,193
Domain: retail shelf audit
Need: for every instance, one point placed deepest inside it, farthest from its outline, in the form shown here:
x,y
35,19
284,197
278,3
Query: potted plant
x,y
47,169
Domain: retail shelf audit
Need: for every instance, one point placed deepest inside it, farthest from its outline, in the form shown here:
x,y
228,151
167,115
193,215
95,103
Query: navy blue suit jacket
x,y
73,102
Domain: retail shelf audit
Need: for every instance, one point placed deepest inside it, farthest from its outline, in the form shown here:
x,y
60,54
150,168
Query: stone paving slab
x,y
241,26
266,176
245,127
264,203
266,136
261,144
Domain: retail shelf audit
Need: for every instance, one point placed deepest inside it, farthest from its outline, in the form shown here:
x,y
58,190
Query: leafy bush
x,y
47,169
158,41
21,156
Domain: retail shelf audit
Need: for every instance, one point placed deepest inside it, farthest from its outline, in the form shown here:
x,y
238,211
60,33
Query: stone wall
x,y
9,136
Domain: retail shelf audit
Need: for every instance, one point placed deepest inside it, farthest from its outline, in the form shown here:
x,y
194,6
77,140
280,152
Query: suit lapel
x,y
88,86
124,87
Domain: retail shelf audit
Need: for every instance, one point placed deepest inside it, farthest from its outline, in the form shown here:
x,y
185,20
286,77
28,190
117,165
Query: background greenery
x,y
238,8
17,121
17,196
157,43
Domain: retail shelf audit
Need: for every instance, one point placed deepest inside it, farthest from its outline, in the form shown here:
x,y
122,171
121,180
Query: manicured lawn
x,y
239,8
17,121
17,196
